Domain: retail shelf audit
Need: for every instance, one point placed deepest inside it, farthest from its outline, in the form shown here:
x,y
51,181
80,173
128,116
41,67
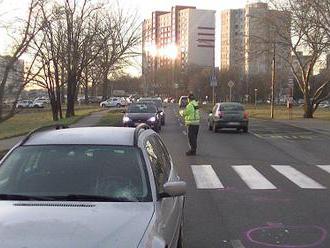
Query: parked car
x,y
159,104
228,115
183,101
24,104
324,104
106,187
39,103
114,102
142,112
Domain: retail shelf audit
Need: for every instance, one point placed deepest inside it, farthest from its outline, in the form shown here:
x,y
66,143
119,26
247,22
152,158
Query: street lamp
x,y
255,97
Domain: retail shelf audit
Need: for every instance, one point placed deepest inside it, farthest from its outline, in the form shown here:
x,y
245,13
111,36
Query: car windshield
x,y
157,102
142,108
231,107
109,173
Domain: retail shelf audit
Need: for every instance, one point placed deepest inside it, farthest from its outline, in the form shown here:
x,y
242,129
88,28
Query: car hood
x,y
73,224
143,116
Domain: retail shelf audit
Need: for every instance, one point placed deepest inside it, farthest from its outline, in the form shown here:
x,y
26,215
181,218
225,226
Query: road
x,y
267,188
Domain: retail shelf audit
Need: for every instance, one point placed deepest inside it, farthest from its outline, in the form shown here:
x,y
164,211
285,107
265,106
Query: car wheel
x,y
118,105
245,129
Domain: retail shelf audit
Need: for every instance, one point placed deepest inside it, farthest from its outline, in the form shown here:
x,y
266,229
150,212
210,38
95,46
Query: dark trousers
x,y
192,137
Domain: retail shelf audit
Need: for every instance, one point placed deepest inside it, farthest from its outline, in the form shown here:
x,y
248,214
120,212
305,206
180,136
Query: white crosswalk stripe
x,y
205,177
297,177
252,177
325,167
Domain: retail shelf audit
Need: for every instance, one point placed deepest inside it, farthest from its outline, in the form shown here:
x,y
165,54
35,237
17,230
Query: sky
x,y
10,10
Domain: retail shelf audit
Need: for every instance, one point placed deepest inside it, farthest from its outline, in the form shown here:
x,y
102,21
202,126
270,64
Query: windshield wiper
x,y
24,197
96,198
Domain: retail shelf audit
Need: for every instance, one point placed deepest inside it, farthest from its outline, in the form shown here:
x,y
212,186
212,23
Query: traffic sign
x,y
213,81
231,84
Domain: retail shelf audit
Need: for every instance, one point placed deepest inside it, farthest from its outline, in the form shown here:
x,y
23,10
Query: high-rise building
x,y
249,37
15,77
232,40
181,37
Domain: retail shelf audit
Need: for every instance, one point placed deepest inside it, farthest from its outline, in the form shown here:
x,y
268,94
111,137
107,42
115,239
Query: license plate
x,y
233,123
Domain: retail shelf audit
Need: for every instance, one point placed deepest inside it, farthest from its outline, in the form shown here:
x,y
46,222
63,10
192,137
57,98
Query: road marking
x,y
205,177
297,177
237,244
252,177
184,133
324,167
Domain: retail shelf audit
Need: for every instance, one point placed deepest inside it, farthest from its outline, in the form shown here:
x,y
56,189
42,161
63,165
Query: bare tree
x,y
308,34
29,30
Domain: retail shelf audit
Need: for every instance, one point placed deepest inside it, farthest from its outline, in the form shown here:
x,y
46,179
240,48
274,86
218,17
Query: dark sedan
x,y
159,104
228,115
138,113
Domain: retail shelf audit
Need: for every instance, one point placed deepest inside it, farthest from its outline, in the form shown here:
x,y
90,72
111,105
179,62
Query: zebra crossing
x,y
206,177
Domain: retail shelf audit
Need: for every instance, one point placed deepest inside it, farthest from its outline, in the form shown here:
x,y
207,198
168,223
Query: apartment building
x,y
181,37
15,77
232,40
249,37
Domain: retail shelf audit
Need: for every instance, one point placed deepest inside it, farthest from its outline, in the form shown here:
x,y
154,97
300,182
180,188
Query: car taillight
x,y
246,115
221,114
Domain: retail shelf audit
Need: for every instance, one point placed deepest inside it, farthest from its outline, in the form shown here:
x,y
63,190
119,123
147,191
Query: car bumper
x,y
153,125
231,124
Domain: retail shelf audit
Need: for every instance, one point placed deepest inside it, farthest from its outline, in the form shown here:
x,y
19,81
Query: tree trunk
x,y
86,93
308,106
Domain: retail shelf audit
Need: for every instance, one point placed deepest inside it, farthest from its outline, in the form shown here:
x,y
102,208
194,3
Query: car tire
x,y
118,105
245,129
214,128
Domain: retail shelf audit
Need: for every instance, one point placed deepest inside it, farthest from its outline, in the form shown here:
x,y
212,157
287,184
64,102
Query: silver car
x,y
228,115
90,188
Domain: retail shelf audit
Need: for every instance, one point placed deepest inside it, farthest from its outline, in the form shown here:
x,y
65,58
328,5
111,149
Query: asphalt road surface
x,y
267,188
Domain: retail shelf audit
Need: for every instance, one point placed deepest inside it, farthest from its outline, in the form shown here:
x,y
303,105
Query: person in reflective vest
x,y
192,118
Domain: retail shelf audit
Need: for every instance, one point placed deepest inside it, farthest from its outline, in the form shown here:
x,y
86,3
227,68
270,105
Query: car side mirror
x,y
175,188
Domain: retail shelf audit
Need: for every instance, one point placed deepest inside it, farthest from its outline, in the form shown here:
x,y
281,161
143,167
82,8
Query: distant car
x,y
91,187
142,112
24,104
159,104
183,101
113,102
324,104
39,103
228,115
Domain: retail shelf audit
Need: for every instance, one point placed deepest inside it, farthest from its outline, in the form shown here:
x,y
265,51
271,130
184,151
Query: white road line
x,y
324,167
237,244
297,177
184,133
253,178
205,177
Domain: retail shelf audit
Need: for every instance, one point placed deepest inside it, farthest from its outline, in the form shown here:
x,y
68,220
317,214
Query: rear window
x,y
142,108
231,107
108,171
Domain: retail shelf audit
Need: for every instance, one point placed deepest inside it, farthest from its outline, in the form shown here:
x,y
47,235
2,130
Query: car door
x,y
168,214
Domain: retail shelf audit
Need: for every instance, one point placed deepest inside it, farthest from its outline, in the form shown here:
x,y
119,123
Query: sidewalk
x,y
87,121
314,125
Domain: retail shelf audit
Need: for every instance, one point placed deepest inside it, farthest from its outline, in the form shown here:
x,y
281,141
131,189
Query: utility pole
x,y
273,82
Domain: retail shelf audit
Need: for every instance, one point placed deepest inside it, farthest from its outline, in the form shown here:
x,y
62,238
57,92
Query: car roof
x,y
121,136
230,103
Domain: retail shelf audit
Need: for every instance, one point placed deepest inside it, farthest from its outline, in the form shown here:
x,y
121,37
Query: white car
x,y
24,104
94,187
39,103
114,102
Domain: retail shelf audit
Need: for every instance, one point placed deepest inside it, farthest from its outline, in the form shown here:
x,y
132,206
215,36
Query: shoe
x,y
191,153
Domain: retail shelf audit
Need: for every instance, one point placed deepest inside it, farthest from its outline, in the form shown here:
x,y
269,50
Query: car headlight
x,y
152,119
126,119
162,113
